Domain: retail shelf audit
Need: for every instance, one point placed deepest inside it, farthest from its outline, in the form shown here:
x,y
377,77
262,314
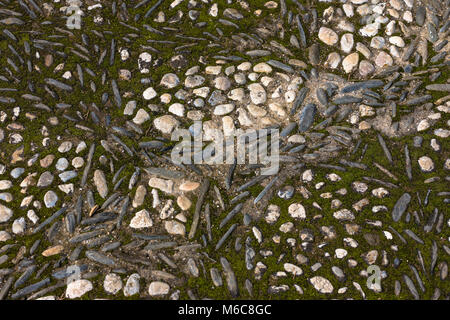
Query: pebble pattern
x,y
91,205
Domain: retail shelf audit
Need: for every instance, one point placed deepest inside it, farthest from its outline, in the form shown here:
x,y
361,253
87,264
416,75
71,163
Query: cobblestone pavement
x,y
92,204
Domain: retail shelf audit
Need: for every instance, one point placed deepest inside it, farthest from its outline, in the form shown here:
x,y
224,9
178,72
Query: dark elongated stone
x,y
409,51
385,148
251,183
417,101
434,256
155,144
301,95
431,221
116,92
110,200
413,236
297,149
7,100
322,125
301,31
231,214
27,9
239,197
134,127
58,84
150,237
164,173
228,23
440,223
198,207
439,87
42,106
50,219
322,96
123,211
265,190
160,245
352,164
258,53
98,241
439,46
117,174
25,276
280,65
314,54
65,106
330,110
444,28
397,288
30,289
436,294
101,217
70,222
6,286
11,21
288,129
420,258
230,277
85,236
432,33
216,278
438,57
41,270
408,163
347,100
111,246
134,178
362,85
31,97
112,52
420,15
35,246
100,258
80,74
229,58
225,236
331,166
70,270
416,274
124,146
208,222
400,206
249,255
45,291
410,285
88,164
230,174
